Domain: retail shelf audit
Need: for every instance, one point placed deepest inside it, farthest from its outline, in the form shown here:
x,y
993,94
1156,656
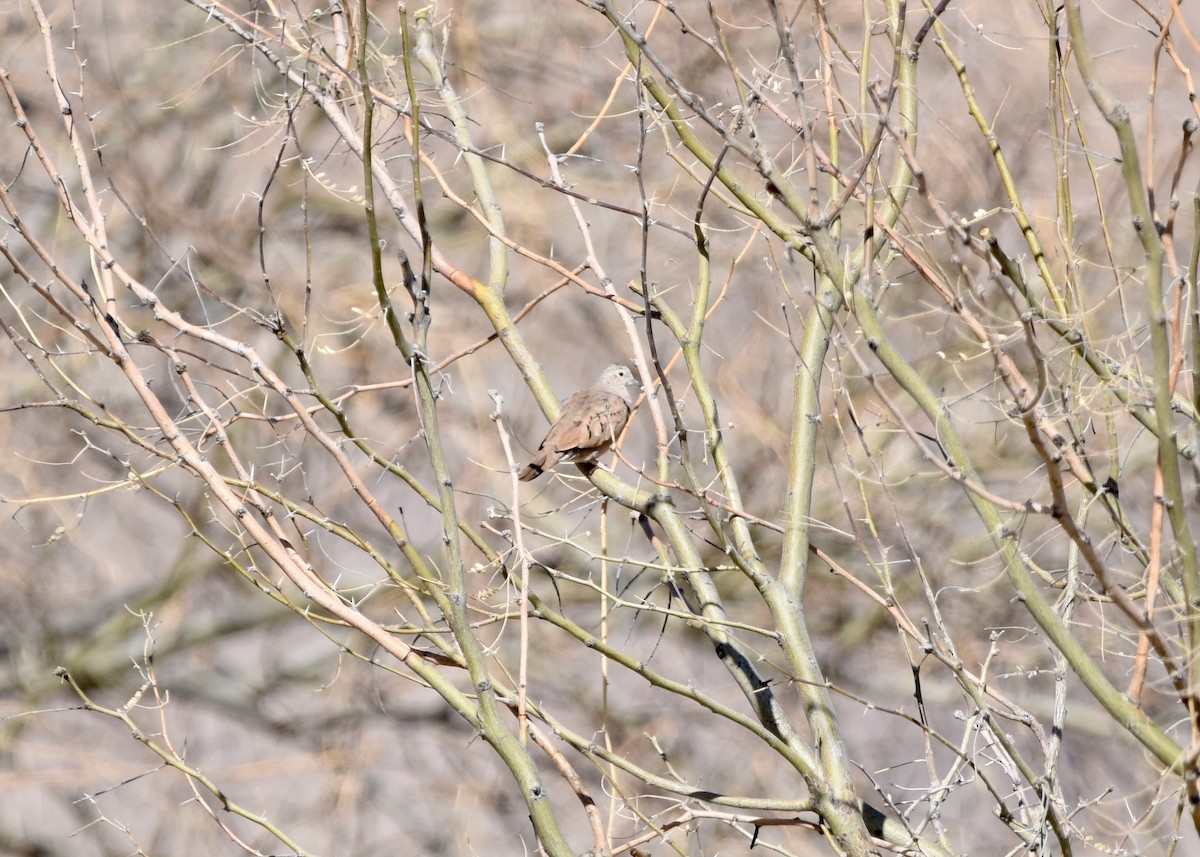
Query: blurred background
x,y
233,197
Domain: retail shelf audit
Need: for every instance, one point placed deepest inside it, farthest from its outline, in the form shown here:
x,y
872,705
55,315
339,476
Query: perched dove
x,y
590,422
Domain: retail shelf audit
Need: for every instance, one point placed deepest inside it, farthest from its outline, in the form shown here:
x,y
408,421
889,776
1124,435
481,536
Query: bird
x,y
590,422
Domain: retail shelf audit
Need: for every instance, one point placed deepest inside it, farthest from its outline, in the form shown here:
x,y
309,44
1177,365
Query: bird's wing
x,y
590,421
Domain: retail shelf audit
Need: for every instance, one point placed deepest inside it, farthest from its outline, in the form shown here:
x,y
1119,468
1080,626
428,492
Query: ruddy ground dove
x,y
590,422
